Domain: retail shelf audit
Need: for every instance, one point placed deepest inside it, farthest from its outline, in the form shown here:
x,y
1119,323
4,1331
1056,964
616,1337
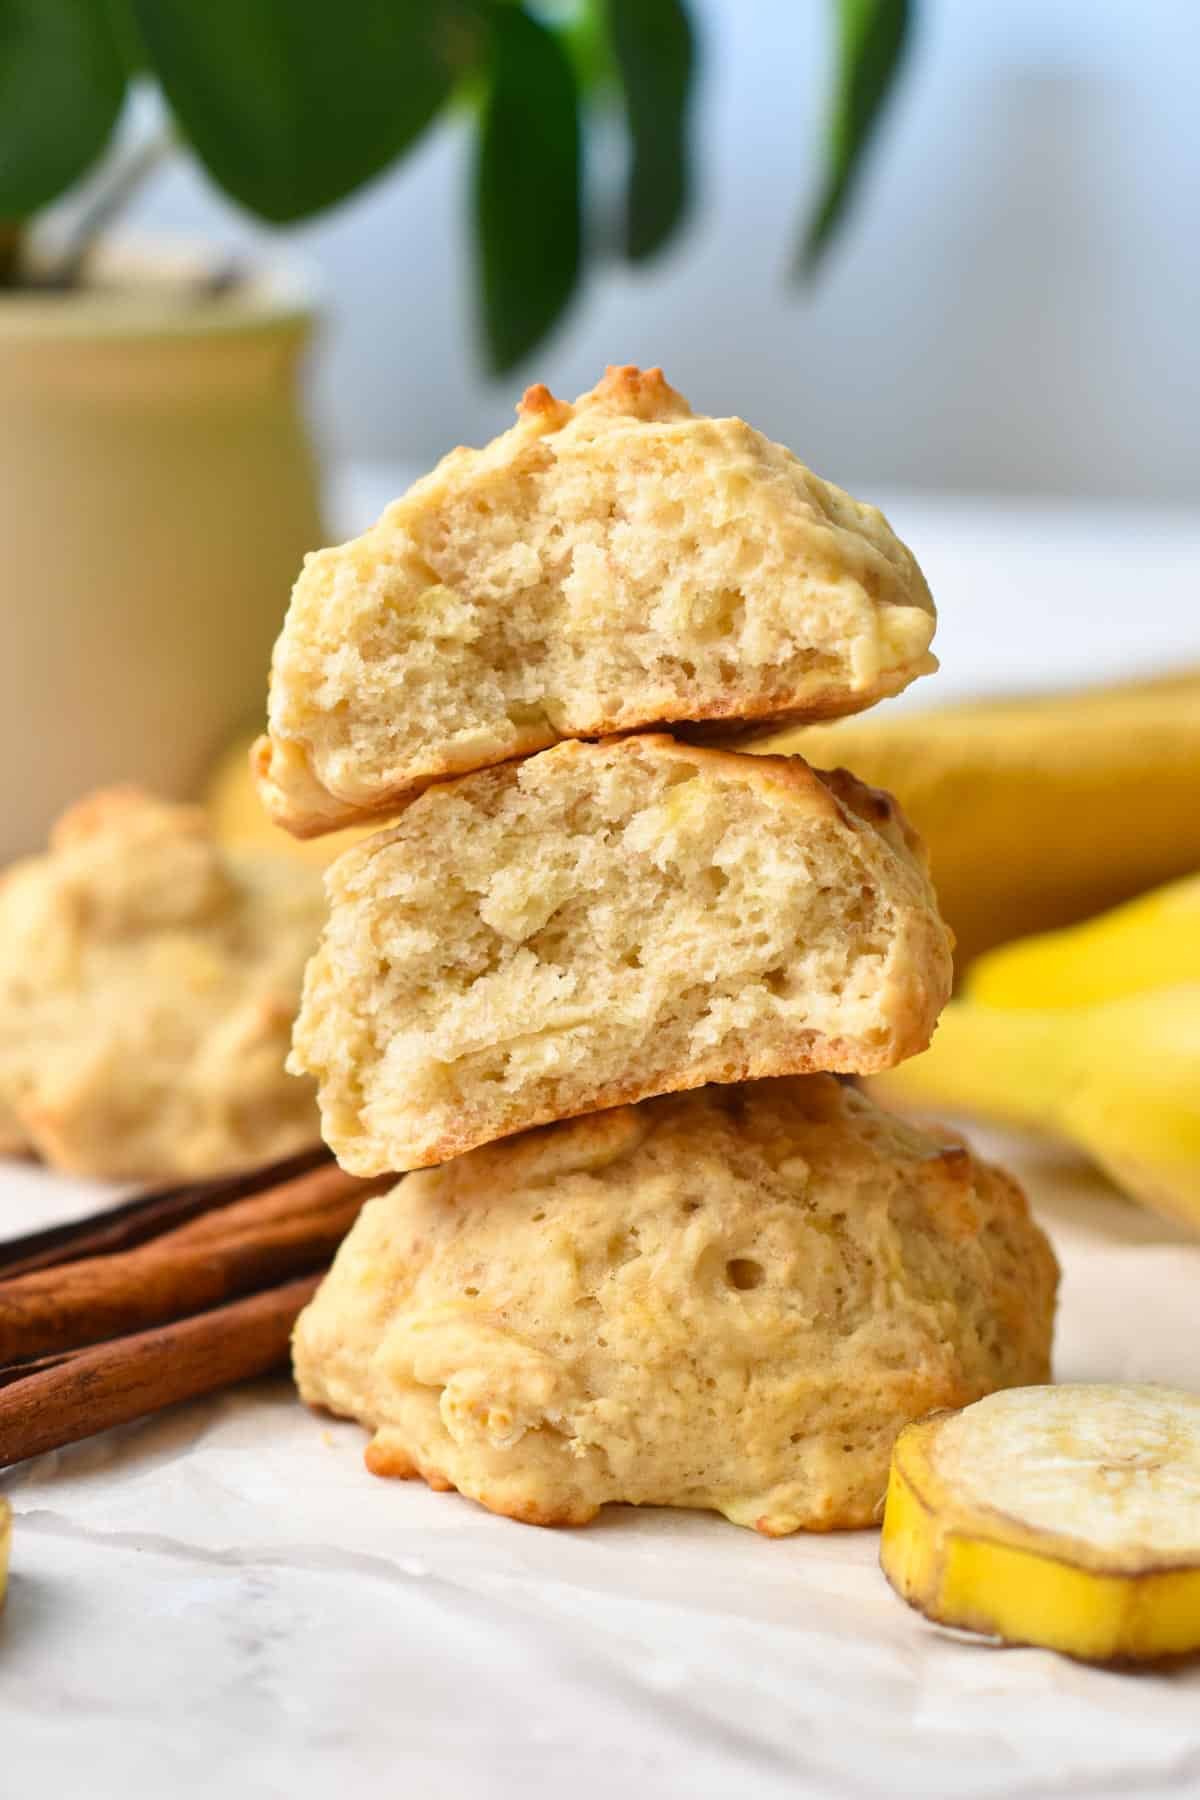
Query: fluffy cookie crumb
x,y
605,566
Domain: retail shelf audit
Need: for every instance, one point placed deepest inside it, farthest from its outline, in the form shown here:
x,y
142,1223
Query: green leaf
x,y
585,34
125,35
527,187
655,52
872,37
293,104
61,87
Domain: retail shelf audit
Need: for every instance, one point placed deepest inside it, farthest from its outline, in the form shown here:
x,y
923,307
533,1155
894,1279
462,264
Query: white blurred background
x,y
1013,308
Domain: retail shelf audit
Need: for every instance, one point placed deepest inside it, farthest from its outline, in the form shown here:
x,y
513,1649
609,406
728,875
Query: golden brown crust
x,y
383,1457
826,1055
835,794
731,1299
623,391
300,805
844,620
538,402
637,393
320,812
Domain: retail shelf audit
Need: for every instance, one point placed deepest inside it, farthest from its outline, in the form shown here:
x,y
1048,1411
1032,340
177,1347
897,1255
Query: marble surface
x,y
221,1601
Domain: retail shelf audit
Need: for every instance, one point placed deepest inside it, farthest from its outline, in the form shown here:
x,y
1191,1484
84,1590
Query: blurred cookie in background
x,y
148,982
12,1136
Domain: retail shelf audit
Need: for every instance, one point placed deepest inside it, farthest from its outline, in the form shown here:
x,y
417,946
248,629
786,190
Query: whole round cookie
x,y
730,1299
148,982
604,566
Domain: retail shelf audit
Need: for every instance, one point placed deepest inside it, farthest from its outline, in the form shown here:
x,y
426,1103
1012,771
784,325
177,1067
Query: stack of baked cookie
x,y
642,1271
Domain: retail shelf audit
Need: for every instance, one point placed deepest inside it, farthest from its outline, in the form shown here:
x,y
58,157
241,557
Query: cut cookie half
x,y
604,922
602,567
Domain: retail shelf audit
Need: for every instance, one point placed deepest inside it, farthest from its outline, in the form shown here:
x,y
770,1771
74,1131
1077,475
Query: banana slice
x,y
5,1545
1067,1517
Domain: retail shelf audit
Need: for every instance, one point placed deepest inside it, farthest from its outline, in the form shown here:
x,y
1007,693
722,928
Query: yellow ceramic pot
x,y
158,491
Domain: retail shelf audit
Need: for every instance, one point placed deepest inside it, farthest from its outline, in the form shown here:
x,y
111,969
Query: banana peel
x,y
1119,1080
1150,942
1066,1517
1037,812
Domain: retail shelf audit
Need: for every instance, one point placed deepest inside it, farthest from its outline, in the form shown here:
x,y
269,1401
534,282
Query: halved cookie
x,y
731,1299
602,567
604,922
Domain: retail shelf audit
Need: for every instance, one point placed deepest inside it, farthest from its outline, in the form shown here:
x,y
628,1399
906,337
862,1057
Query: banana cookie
x,y
605,566
148,983
731,1299
604,922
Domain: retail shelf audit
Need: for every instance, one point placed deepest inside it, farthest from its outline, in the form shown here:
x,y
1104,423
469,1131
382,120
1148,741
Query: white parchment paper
x,y
222,1602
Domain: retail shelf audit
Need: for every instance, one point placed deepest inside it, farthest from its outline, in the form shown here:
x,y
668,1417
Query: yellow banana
x,y
1062,1516
1120,1080
1150,942
1037,812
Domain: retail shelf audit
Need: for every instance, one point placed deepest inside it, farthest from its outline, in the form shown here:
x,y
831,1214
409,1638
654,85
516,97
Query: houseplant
x,y
156,487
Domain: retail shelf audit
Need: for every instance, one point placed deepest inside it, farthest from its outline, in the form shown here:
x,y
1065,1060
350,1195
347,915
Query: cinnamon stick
x,y
304,1196
254,1243
134,1221
113,1384
23,1370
